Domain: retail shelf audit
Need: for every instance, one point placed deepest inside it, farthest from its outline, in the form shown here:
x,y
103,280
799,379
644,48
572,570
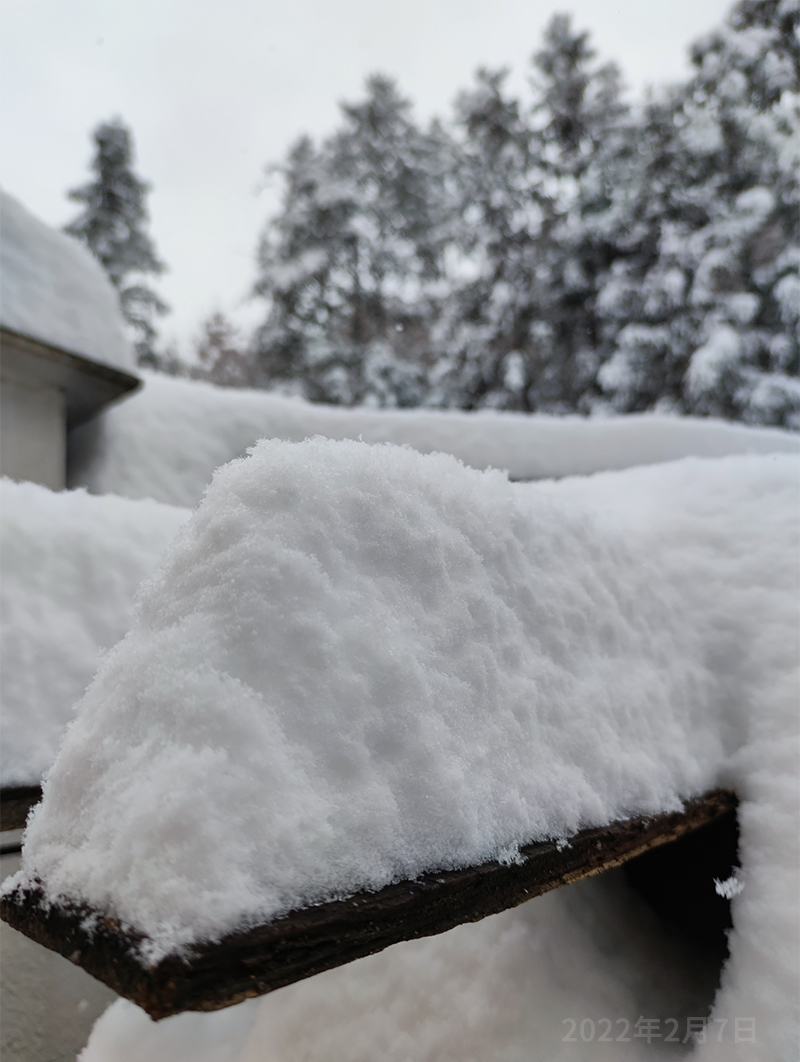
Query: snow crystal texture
x,y
53,290
69,567
357,663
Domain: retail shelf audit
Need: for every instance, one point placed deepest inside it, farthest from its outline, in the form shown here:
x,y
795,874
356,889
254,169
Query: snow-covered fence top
x,y
357,664
258,959
54,291
166,441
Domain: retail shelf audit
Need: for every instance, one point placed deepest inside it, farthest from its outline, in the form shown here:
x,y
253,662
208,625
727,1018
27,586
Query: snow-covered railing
x,y
370,694
305,942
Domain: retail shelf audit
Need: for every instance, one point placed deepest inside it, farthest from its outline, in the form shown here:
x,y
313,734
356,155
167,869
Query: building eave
x,y
88,385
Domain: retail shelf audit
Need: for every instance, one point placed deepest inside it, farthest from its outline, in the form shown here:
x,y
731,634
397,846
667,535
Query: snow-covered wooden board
x,y
260,959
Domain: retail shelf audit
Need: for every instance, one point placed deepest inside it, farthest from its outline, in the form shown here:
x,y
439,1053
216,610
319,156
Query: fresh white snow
x,y
357,662
165,441
53,290
326,634
69,565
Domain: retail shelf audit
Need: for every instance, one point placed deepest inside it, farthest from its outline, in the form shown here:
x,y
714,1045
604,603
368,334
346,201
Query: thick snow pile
x,y
165,441
53,290
69,565
357,662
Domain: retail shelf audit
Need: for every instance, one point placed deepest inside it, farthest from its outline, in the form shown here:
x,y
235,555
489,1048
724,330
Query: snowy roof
x,y
54,291
166,441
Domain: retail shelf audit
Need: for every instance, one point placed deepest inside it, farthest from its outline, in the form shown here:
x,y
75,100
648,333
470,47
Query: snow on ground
x,y
165,441
53,290
357,662
71,563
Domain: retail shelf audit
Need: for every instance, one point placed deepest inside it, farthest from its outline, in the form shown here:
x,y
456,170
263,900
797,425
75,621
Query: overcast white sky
x,y
215,89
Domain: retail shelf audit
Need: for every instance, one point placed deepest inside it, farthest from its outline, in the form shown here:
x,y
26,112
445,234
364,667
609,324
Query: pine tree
x,y
585,136
113,226
541,223
496,196
349,265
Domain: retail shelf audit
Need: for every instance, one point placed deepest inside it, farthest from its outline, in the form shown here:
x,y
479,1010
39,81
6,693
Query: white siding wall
x,y
33,434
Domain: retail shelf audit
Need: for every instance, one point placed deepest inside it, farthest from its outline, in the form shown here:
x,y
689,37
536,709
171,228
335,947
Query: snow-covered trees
x,y
113,226
539,224
703,314
562,252
704,311
350,266
491,278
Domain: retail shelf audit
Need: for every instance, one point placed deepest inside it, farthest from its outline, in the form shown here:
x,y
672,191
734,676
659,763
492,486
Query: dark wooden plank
x,y
259,959
15,803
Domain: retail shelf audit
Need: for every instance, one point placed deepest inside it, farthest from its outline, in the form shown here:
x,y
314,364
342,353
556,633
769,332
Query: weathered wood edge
x,y
262,958
15,803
